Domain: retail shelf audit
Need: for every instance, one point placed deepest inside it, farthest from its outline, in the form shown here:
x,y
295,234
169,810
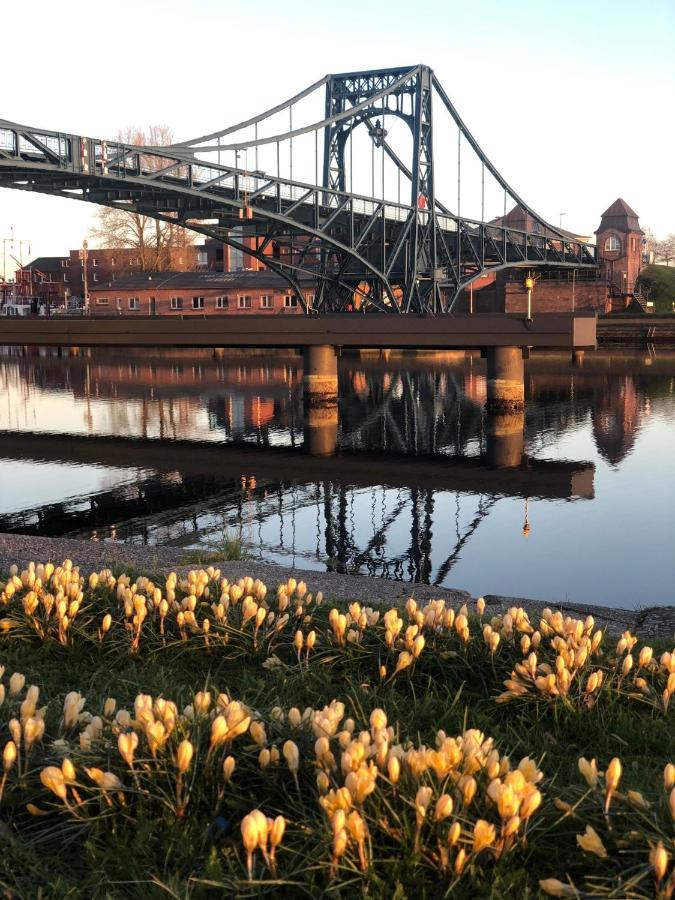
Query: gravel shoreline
x,y
657,621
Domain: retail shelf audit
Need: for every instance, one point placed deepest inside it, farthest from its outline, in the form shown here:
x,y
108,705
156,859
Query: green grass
x,y
660,281
143,849
229,548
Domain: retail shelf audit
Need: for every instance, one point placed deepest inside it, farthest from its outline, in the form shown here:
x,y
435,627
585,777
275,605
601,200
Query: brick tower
x,y
619,242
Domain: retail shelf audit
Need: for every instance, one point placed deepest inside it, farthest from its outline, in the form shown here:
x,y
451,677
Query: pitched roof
x,y
164,281
619,208
45,264
620,217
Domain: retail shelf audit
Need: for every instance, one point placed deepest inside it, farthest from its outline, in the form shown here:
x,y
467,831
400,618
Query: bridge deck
x,y
543,332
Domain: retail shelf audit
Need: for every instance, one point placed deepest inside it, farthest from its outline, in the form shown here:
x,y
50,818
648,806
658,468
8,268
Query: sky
x,y
572,102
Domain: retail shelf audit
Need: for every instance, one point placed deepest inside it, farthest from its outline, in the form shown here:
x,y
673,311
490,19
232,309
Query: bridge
x,y
342,183
350,199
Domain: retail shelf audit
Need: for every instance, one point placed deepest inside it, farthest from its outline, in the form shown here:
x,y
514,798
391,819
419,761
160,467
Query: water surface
x,y
587,516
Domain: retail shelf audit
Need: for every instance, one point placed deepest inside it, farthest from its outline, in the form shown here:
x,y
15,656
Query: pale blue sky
x,y
573,102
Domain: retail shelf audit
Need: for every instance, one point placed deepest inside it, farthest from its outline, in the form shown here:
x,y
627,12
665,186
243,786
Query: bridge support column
x,y
505,439
320,396
505,380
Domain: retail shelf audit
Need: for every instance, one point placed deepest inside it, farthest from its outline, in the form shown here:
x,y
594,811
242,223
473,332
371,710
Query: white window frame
x,y
102,301
609,240
222,302
198,303
244,301
134,303
290,301
176,303
267,301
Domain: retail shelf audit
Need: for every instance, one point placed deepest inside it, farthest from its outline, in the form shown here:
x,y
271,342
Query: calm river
x,y
412,494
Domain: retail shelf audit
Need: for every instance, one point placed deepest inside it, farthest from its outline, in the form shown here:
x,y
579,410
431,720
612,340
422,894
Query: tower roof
x,y
621,217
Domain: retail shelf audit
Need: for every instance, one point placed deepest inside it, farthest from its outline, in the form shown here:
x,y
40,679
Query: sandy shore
x,y
656,621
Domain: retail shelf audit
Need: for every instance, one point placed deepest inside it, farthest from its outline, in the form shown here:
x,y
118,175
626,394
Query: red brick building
x,y
198,293
619,242
56,279
611,287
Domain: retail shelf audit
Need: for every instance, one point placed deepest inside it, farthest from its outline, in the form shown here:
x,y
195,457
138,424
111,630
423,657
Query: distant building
x,y
619,242
198,293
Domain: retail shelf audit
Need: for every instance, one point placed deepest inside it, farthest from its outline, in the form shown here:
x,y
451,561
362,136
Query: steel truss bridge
x,y
340,184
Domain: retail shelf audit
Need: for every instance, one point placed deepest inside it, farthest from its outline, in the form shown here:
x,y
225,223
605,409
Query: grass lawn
x,y
383,748
660,280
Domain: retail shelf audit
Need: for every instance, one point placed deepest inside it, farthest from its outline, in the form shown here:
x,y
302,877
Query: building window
x,y
95,277
290,301
113,261
198,303
65,278
101,301
94,261
612,243
222,302
134,302
118,303
244,302
266,301
176,303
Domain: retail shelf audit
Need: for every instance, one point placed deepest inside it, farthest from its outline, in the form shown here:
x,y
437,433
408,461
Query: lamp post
x,y
11,240
85,282
529,285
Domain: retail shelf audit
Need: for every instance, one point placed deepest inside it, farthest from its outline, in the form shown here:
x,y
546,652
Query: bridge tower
x,y
619,242
412,102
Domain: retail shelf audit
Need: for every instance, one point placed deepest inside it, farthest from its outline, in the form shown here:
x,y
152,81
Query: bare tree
x,y
155,241
664,251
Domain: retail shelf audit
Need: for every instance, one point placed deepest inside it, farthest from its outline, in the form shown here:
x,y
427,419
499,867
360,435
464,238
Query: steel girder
x,y
364,253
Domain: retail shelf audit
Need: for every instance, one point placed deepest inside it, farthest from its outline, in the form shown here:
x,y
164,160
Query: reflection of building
x,y
616,419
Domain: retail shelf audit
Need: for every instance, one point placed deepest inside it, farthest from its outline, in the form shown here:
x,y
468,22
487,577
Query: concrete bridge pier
x,y
505,380
320,399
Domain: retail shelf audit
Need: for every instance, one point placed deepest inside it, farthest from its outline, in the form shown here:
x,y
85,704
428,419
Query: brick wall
x,y
183,302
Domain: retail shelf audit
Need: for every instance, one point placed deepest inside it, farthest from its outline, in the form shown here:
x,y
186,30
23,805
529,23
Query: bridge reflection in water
x,y
410,463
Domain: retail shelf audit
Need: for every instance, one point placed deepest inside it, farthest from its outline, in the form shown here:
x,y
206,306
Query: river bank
x,y
649,622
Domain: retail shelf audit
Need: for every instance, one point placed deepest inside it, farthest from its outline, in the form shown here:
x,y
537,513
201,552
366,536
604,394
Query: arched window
x,y
612,243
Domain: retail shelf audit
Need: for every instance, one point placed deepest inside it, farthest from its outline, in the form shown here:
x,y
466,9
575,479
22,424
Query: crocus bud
x,y
184,756
52,778
292,756
228,767
126,744
9,755
659,860
613,775
444,807
16,683
276,832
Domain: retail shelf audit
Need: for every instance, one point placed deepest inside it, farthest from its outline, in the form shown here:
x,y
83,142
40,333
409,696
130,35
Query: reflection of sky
x,y
613,550
24,485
